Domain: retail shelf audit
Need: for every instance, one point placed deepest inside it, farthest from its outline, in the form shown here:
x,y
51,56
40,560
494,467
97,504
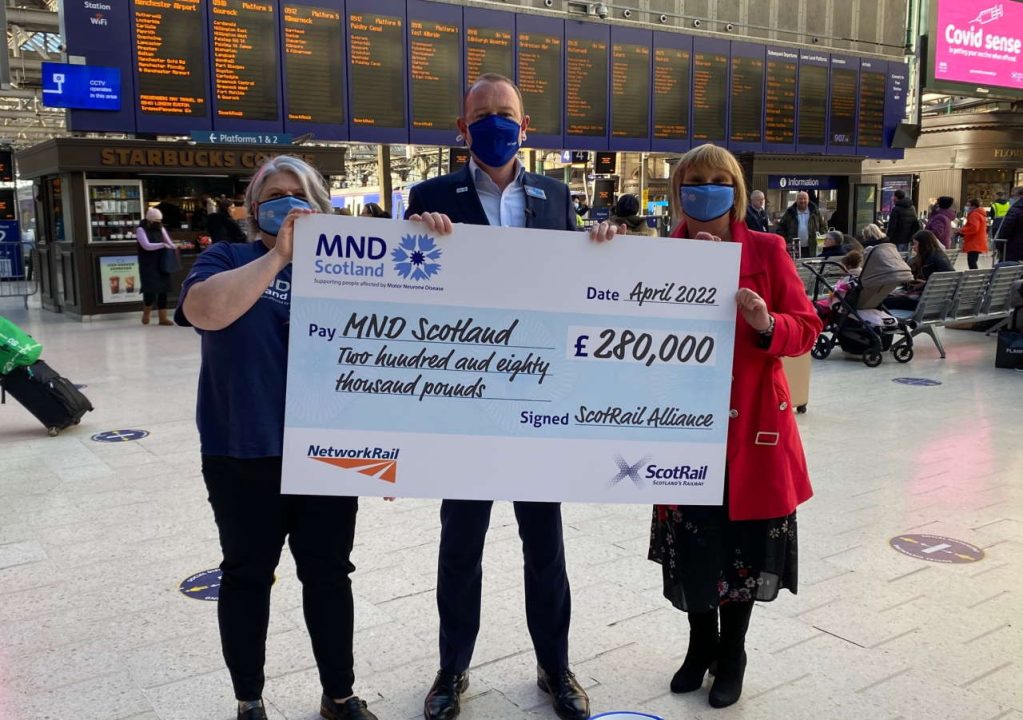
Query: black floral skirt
x,y
708,560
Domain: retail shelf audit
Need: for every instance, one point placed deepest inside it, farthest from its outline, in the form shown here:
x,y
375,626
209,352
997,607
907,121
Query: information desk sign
x,y
500,363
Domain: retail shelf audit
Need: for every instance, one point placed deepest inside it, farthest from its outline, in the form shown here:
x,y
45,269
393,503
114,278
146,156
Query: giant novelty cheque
x,y
507,364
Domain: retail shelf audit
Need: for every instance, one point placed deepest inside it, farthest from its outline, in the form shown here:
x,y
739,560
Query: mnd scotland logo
x,y
416,257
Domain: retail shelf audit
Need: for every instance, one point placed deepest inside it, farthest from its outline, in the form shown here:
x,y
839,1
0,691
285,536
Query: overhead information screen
x,y
376,70
487,50
710,93
630,91
585,87
813,96
436,76
540,80
245,59
314,85
870,128
671,93
842,131
170,57
780,97
747,94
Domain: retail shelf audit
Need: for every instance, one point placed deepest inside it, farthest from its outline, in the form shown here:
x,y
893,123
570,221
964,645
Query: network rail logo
x,y
375,462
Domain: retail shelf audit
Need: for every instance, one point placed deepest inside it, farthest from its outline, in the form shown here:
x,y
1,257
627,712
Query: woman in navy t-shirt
x,y
237,296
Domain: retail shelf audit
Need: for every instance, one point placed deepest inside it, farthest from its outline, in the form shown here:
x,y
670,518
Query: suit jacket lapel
x,y
534,205
467,201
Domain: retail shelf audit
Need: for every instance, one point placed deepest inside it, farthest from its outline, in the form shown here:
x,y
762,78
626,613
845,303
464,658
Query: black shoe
x,y
256,713
701,656
567,695
443,700
727,687
351,709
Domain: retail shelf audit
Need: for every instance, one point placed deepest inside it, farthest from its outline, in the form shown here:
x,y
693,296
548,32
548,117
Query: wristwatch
x,y
764,339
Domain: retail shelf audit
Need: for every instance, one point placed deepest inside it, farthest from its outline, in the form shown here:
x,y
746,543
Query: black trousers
x,y
464,526
971,260
253,519
159,298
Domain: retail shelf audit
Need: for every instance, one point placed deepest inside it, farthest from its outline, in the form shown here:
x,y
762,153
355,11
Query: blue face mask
x,y
495,140
271,213
706,202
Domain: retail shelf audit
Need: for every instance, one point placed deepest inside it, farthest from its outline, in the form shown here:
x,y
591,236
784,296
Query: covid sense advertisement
x,y
979,42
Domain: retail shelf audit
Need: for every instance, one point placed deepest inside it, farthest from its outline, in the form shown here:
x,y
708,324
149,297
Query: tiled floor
x,y
95,538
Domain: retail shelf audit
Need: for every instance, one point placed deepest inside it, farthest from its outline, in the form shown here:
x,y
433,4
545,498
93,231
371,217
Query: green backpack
x,y
17,347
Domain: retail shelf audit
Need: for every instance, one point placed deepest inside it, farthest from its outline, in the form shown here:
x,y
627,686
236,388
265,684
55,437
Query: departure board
x,y
7,205
843,107
487,50
585,87
376,70
710,95
780,97
314,83
169,57
630,90
245,59
813,96
870,128
747,91
540,80
671,93
436,73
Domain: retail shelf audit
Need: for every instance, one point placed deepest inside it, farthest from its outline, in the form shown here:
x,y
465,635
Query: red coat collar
x,y
751,261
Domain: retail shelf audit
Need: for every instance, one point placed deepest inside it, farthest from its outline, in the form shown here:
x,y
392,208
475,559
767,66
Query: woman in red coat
x,y
720,559
974,233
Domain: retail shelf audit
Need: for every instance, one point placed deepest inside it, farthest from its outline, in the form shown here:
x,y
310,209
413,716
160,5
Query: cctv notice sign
x,y
507,364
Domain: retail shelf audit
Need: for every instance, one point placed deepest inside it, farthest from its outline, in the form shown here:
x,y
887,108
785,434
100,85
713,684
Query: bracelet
x,y
770,328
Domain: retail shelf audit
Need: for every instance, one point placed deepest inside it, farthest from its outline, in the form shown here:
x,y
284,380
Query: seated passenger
x,y
832,245
928,258
872,235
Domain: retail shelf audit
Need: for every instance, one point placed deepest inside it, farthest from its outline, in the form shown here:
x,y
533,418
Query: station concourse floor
x,y
95,539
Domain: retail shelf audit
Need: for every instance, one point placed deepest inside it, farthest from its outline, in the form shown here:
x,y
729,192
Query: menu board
x,y
710,91
170,57
376,70
671,93
314,76
844,91
436,73
586,87
747,94
487,50
630,90
245,80
540,80
870,128
780,97
813,103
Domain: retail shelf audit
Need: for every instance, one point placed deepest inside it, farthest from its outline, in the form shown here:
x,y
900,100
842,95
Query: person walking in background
x,y
999,208
803,220
221,226
719,560
238,297
374,210
974,233
626,212
756,213
154,243
940,220
903,222
1010,231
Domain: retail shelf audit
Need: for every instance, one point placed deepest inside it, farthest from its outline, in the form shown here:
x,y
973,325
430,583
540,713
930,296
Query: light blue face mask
x,y
271,213
707,201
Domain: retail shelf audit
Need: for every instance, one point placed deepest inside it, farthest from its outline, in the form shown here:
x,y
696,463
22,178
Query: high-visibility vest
x,y
1000,208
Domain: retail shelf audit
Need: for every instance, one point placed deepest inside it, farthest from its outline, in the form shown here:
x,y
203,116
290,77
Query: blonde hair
x,y
710,158
871,232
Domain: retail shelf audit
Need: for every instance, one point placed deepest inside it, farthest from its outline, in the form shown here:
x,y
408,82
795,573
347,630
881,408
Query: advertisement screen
x,y
978,43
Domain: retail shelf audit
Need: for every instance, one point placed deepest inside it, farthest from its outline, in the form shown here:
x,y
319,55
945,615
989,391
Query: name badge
x,y
461,190
536,192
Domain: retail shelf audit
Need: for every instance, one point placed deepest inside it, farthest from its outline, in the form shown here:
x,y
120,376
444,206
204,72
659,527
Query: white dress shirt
x,y
505,209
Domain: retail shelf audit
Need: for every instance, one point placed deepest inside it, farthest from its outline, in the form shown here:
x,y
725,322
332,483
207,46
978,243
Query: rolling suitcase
x,y
797,372
55,402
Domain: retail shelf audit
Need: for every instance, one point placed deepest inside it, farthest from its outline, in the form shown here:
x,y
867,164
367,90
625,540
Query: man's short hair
x,y
756,193
494,78
899,194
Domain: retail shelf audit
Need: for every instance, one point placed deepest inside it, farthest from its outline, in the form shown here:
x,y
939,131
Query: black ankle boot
x,y
702,652
731,668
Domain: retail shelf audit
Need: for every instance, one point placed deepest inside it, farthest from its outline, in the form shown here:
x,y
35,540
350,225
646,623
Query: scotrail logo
x,y
625,470
416,257
380,463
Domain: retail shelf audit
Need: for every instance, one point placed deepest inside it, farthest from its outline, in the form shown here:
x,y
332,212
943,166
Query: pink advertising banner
x,y
979,42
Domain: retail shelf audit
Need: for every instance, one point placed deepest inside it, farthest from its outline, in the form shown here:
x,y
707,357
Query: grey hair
x,y
313,185
756,193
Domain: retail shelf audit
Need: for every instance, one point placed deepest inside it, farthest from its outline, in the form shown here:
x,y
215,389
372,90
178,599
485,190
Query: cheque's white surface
x,y
501,363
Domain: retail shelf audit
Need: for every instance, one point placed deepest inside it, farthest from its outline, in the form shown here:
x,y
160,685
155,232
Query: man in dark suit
x,y
494,189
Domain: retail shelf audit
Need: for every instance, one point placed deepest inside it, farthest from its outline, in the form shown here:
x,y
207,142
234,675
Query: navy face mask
x,y
270,214
707,201
495,140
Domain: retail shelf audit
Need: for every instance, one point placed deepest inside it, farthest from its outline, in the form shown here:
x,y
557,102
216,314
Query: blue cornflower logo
x,y
416,257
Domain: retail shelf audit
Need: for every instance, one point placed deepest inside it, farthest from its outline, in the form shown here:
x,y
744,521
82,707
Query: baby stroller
x,y
854,316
